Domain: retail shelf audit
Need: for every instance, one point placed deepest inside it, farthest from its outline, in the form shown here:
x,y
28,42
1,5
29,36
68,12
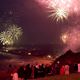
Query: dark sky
x,y
33,18
37,28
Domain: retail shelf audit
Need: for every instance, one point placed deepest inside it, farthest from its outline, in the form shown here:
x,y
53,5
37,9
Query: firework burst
x,y
10,35
61,9
64,37
14,31
58,14
72,38
6,38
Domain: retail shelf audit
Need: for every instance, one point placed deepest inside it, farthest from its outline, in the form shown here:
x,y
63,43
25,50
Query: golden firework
x,y
59,14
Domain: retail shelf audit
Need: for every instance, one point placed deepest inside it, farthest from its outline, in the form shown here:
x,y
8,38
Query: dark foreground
x,y
75,76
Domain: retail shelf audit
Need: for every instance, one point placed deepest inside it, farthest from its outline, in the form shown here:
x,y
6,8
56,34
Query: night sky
x,y
38,29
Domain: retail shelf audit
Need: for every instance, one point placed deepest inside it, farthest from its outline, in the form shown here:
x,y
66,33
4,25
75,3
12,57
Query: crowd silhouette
x,y
30,71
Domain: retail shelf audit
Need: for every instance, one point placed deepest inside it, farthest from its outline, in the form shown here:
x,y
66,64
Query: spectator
x,y
14,74
66,69
62,70
27,72
21,73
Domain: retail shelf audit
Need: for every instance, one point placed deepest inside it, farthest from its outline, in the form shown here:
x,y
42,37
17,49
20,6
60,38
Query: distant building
x,y
69,58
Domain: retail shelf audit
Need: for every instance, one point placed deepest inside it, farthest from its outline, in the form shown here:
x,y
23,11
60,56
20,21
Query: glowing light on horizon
x,y
29,53
49,56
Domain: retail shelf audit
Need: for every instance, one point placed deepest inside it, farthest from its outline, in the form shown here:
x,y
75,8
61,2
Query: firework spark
x,y
14,31
59,14
10,35
6,38
62,6
64,37
72,38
